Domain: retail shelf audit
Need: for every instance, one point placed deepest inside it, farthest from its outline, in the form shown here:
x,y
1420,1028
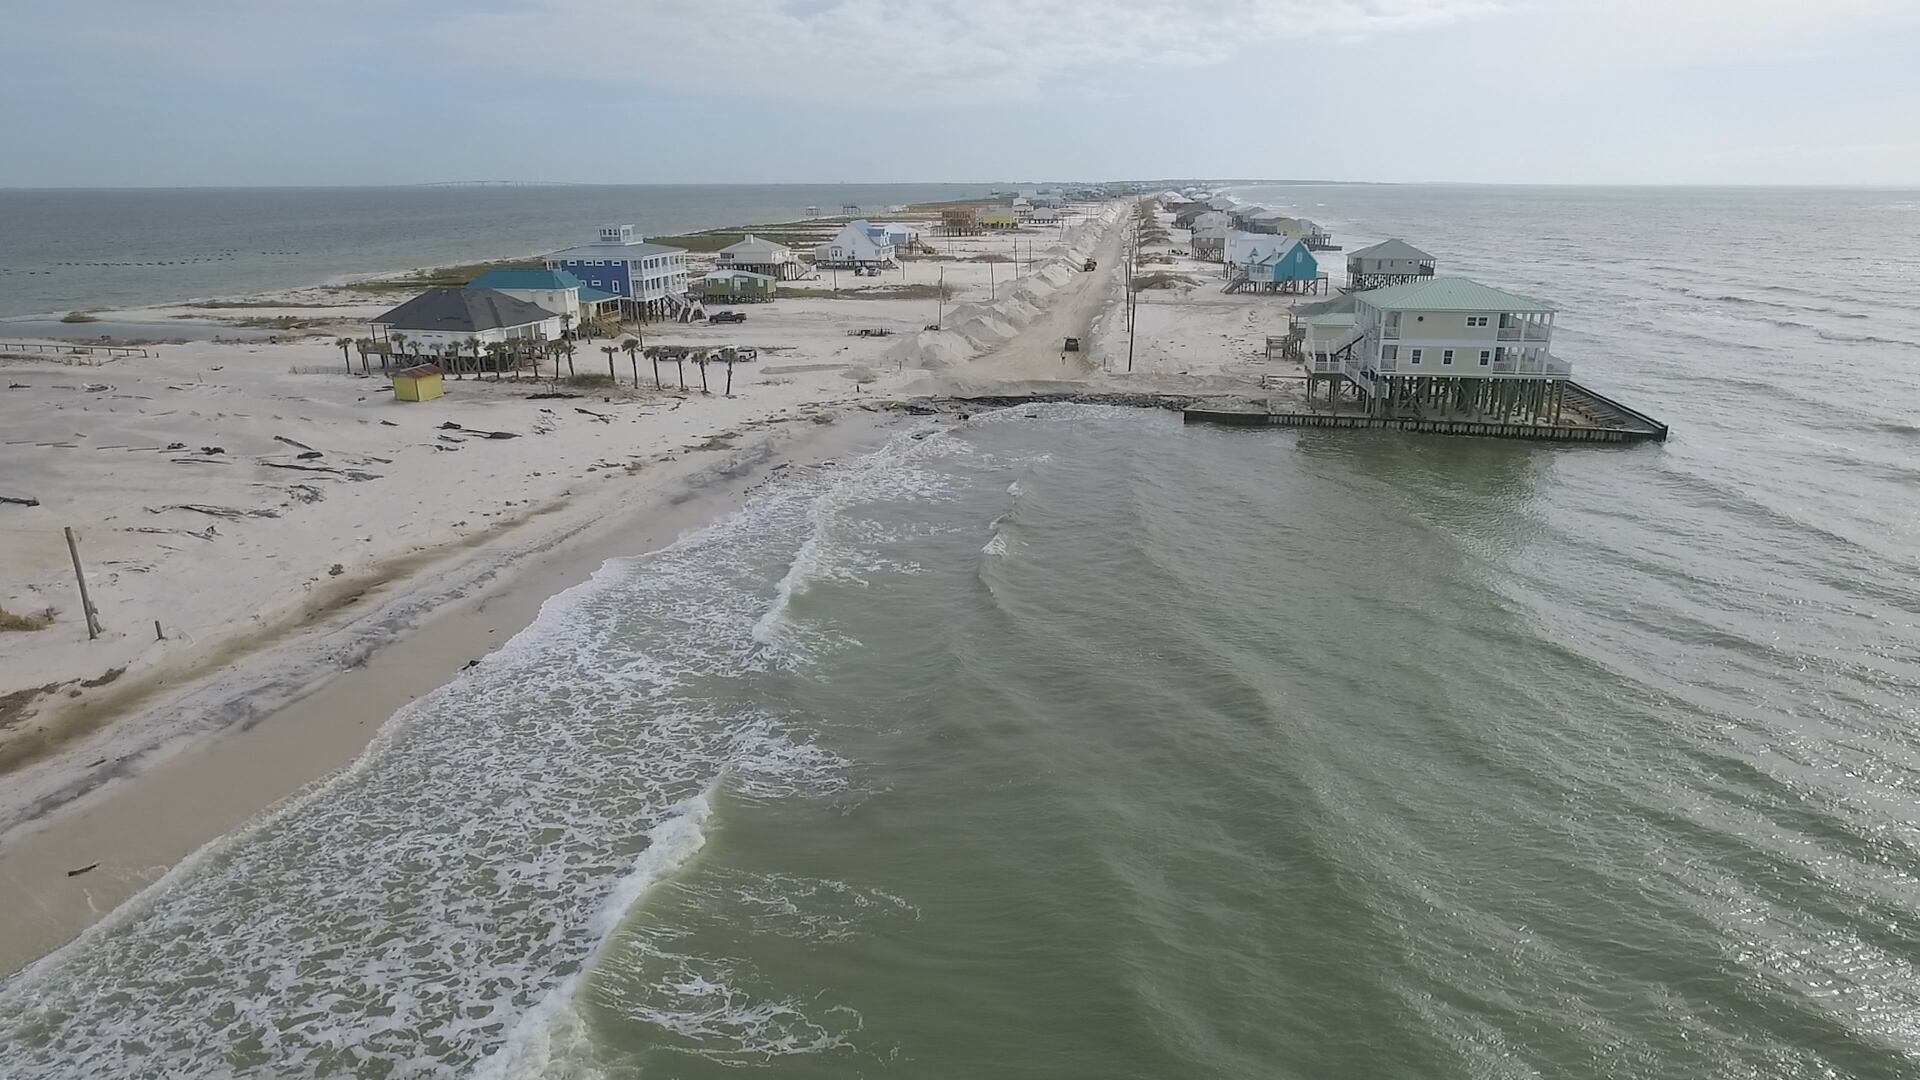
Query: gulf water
x,y
106,247
1074,742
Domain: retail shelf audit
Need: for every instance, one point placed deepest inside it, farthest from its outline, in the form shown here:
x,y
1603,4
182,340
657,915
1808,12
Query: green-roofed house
x,y
1445,345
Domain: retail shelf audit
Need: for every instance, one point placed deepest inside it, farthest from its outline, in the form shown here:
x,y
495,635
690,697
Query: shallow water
x,y
1073,742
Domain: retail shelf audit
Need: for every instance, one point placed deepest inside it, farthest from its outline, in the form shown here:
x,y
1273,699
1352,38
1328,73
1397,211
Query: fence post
x,y
79,575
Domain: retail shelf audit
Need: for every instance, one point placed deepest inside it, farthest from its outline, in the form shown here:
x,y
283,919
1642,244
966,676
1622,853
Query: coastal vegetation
x,y
36,621
441,277
79,317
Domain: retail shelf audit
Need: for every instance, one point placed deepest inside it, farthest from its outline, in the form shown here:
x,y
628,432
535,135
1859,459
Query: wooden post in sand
x,y
79,575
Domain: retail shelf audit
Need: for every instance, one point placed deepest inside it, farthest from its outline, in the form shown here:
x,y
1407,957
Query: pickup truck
x,y
727,317
1091,265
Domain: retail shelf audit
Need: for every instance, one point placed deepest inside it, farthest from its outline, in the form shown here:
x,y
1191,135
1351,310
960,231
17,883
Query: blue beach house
x,y
645,280
1267,263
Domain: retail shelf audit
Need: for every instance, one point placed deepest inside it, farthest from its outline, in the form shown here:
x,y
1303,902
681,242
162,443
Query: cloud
x,y
912,53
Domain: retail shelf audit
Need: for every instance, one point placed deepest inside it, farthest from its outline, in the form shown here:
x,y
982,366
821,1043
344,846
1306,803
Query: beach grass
x,y
21,623
443,277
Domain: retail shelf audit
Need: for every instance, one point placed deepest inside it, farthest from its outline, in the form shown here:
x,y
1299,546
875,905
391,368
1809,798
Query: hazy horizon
x,y
218,93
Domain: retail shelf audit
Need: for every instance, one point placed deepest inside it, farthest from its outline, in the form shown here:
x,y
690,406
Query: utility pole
x,y
940,299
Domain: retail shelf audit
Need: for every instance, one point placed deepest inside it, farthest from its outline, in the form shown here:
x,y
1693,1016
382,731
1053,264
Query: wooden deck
x,y
1611,422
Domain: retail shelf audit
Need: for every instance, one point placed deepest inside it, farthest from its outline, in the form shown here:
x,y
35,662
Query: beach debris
x,y
470,664
83,869
176,446
350,474
482,432
211,450
551,395
206,534
306,493
308,455
388,423
292,442
602,417
336,570
20,500
215,511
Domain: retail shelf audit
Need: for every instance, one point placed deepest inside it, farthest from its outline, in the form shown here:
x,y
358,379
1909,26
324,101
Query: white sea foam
x,y
428,909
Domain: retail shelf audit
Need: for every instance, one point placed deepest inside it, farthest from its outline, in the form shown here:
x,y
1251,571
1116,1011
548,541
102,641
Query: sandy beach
x,y
280,554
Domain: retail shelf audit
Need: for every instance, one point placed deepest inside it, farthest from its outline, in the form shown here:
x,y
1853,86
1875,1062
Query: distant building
x,y
999,217
759,256
1210,242
960,220
453,317
855,246
647,280
1392,262
1044,215
899,234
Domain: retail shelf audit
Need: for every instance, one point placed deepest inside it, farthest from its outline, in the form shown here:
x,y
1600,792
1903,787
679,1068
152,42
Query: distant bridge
x,y
498,183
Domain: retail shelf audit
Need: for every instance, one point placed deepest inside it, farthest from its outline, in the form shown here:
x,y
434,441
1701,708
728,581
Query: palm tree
x,y
653,354
611,351
494,350
632,348
343,344
729,357
567,349
363,346
700,361
399,345
680,362
566,325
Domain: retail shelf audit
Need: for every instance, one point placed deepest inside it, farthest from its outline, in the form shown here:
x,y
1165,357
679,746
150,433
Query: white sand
x,y
302,575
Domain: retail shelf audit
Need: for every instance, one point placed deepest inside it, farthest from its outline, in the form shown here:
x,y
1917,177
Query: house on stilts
x,y
1392,262
755,255
648,281
1258,262
1443,347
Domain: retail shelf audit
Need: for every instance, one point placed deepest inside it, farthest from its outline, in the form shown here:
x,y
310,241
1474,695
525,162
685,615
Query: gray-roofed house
x,y
1391,262
453,320
760,256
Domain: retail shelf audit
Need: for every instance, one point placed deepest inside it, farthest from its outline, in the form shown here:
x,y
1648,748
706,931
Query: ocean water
x,y
83,248
1072,742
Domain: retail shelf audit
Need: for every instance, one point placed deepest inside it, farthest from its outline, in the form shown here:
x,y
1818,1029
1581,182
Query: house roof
x,y
1332,318
1279,251
591,295
751,244
463,311
730,274
1450,294
612,252
525,279
1391,249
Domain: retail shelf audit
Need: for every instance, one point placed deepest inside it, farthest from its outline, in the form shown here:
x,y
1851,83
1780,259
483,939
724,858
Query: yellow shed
x,y
419,383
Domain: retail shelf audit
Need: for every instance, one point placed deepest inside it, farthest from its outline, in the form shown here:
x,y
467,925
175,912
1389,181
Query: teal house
x,y
1266,263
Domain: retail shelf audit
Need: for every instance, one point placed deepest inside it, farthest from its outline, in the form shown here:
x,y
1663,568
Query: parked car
x,y
727,317
1091,265
1072,345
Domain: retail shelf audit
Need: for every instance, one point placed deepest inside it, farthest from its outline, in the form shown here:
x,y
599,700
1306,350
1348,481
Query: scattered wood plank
x,y
291,442
215,511
20,500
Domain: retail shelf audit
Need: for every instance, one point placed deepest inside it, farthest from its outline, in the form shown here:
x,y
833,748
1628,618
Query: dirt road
x,y
1036,352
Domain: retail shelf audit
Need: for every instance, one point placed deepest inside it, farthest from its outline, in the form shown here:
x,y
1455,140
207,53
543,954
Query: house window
x,y
1416,356
1485,356
1476,320
1447,357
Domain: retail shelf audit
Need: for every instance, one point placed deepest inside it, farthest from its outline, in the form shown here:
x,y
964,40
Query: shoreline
x,y
135,828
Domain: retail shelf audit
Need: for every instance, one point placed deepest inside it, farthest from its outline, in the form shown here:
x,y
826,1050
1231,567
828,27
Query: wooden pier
x,y
1608,421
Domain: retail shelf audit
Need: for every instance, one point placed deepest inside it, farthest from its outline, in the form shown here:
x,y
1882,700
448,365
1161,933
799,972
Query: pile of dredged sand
x,y
979,327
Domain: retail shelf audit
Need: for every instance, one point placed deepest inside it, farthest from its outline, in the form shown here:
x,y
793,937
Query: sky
x,y
317,92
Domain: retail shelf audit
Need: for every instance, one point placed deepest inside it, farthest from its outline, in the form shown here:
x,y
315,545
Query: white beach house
x,y
646,279
855,246
759,256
